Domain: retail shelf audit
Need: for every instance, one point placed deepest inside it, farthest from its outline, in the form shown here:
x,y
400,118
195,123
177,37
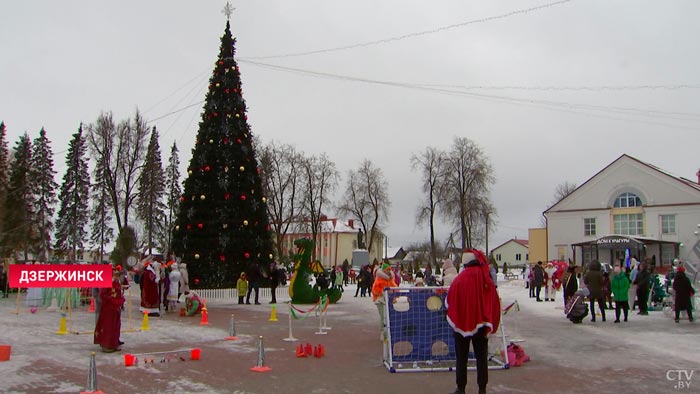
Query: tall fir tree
x,y
18,216
173,191
150,208
74,197
223,227
101,231
4,177
44,193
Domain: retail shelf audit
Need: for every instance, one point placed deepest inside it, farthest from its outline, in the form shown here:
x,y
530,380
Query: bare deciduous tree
x,y
366,199
120,148
281,176
430,163
320,178
560,192
468,179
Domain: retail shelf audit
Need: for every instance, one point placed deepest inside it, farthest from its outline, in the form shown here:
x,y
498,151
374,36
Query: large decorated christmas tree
x,y
222,226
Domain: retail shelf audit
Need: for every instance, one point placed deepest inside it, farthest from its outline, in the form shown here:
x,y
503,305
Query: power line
x,y
568,88
174,112
548,104
417,34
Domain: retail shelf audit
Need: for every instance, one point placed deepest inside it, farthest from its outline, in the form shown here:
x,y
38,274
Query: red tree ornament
x,y
200,225
222,258
243,197
246,255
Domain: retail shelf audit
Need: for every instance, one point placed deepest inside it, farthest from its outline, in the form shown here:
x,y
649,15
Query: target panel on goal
x,y
417,325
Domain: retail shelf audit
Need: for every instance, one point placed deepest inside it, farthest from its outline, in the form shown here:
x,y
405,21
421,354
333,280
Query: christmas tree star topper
x,y
228,10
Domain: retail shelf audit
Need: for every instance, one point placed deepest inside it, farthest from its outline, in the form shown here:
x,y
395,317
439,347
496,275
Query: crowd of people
x,y
629,286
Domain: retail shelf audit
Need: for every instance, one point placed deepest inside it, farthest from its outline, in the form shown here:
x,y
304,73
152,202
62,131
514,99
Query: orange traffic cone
x,y
300,351
205,317
91,309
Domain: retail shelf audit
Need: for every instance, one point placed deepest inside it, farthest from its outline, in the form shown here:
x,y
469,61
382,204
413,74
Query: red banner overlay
x,y
54,275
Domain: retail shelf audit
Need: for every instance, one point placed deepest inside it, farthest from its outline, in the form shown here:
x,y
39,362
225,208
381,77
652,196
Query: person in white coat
x,y
174,286
449,273
550,293
184,278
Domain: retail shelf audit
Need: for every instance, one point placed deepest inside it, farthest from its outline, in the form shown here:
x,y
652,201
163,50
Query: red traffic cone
x,y
300,351
309,350
319,351
91,309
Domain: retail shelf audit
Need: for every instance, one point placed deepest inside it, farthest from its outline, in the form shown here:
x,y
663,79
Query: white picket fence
x,y
231,295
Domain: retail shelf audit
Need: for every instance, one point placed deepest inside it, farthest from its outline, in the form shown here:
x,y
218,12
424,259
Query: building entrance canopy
x,y
611,247
617,242
623,242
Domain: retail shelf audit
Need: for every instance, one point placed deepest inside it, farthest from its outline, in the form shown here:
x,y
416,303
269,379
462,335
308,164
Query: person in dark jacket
x,y
274,281
607,292
253,274
594,281
570,282
642,282
683,291
538,279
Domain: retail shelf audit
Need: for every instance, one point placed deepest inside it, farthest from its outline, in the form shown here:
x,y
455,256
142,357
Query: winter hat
x,y
468,258
681,269
385,266
446,264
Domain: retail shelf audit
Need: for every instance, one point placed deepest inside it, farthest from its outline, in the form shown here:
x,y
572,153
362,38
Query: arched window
x,y
627,200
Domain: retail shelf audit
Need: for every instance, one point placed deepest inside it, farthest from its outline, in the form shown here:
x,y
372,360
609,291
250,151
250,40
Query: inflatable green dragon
x,y
300,291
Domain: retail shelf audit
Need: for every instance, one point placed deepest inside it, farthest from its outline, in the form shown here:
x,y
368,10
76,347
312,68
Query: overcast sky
x,y
551,94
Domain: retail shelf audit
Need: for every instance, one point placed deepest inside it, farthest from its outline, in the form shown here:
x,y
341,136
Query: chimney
x,y
351,223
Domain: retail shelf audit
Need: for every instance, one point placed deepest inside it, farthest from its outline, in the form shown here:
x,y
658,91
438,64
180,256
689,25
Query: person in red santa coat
x,y
108,327
473,311
150,300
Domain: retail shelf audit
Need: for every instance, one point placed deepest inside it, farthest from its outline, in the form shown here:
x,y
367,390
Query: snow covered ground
x,y
600,357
